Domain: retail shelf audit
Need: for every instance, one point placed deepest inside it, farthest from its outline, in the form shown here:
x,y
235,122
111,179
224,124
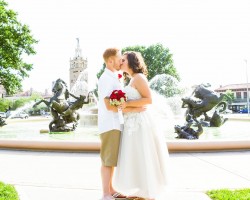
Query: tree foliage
x,y
157,58
6,104
15,42
229,96
98,75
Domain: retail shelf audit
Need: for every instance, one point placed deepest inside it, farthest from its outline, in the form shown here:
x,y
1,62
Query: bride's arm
x,y
141,84
134,109
128,109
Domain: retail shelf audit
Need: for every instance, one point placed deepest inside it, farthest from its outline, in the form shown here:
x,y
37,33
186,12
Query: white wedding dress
x,y
143,158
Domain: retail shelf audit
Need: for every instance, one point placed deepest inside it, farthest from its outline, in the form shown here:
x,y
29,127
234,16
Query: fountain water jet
x,y
27,106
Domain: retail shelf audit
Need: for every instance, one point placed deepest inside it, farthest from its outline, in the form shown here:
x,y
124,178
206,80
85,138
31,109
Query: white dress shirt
x,y
107,120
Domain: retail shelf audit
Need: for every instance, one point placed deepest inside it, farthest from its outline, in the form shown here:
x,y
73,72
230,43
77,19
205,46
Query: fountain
x,y
88,115
25,134
65,115
10,114
204,100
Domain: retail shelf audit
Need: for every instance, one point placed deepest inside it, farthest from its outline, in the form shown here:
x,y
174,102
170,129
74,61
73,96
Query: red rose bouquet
x,y
118,97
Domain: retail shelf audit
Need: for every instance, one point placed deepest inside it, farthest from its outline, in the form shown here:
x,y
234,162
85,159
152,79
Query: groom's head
x,y
112,58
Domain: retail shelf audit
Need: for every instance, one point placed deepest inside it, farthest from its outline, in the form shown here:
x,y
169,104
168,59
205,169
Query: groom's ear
x,y
108,62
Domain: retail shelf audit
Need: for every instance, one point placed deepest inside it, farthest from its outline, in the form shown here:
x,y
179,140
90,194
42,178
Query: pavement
x,y
42,175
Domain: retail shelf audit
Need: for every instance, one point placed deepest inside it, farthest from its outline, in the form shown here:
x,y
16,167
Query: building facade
x,y
241,95
78,65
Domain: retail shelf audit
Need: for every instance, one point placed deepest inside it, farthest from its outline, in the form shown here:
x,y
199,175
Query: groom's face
x,y
117,61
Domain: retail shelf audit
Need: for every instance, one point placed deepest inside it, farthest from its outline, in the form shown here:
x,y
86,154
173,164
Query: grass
x,y
226,194
8,192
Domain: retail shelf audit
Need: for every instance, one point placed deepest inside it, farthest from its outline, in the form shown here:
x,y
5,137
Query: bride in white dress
x,y
142,163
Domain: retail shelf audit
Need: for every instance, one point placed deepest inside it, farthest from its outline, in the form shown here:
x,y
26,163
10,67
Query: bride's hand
x,y
119,107
122,106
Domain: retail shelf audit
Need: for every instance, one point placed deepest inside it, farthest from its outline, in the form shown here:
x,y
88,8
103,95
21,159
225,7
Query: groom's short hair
x,y
110,52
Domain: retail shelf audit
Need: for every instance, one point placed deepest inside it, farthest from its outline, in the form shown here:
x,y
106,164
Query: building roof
x,y
233,87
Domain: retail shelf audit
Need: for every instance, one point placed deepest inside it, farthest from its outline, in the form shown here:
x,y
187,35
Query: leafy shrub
x,y
8,192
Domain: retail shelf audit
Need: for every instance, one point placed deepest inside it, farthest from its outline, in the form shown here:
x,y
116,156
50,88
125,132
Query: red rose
x,y
119,76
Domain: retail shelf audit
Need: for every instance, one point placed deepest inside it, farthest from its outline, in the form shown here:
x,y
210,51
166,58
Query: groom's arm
x,y
108,106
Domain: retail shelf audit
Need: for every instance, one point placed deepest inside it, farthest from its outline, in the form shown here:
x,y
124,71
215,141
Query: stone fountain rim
x,y
173,146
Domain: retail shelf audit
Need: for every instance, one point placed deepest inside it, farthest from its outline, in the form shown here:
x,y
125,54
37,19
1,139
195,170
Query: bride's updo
x,y
136,62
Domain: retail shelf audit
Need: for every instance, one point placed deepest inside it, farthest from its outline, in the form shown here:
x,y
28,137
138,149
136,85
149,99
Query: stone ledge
x,y
173,146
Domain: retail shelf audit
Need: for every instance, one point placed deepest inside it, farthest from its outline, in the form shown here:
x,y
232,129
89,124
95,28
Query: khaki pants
x,y
110,142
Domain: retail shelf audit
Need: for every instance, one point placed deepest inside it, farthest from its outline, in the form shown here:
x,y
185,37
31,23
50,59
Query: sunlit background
x,y
209,40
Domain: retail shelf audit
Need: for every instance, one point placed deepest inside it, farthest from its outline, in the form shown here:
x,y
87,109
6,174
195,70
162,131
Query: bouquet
x,y
118,97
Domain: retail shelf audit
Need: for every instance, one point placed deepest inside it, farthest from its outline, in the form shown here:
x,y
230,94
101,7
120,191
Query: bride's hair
x,y
136,62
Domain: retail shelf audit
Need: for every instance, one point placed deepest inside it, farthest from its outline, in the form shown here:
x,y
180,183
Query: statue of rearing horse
x,y
63,111
207,100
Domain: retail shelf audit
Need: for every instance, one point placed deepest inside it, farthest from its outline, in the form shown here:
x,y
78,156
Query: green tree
x,y
98,75
4,104
157,58
15,42
229,96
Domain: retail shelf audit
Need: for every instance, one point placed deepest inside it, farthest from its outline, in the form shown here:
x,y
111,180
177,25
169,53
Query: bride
x,y
142,163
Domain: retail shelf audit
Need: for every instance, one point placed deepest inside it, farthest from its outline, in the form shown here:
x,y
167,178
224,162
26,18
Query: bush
x,y
226,194
8,192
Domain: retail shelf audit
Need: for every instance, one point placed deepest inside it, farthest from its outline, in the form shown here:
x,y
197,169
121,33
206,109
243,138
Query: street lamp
x,y
247,89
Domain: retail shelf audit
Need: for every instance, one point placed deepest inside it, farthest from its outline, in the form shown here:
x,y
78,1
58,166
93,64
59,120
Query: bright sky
x,y
209,40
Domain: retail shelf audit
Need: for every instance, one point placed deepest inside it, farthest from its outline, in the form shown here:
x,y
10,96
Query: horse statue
x,y
204,101
2,122
63,112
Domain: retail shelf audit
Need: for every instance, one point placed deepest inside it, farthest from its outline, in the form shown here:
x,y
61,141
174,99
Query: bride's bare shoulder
x,y
140,76
140,81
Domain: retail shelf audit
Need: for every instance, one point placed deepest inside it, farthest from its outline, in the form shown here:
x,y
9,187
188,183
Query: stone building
x,y
240,94
78,73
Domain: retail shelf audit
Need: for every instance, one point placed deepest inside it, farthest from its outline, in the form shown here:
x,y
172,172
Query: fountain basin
x,y
25,134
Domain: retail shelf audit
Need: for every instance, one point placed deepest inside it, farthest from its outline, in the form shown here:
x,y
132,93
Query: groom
x,y
108,122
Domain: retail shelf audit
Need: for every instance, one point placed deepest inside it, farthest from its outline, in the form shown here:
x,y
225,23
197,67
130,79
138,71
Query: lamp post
x,y
247,89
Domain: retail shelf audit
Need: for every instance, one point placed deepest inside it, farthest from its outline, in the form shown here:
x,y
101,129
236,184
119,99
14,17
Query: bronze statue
x,y
63,111
2,122
204,101
217,120
187,132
